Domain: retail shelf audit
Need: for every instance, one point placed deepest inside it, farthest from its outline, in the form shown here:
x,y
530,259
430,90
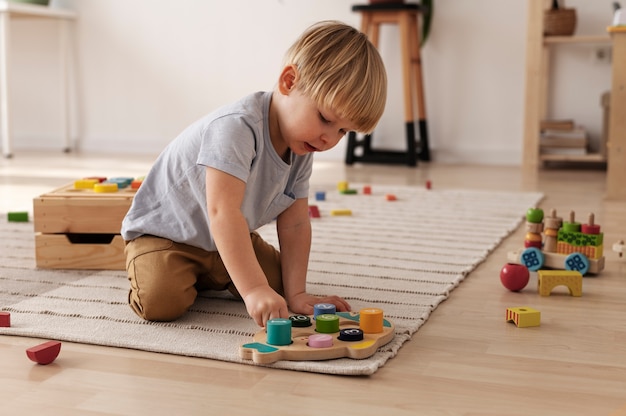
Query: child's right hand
x,y
263,304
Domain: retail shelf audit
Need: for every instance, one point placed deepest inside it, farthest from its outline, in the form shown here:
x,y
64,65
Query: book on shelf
x,y
556,141
565,124
563,151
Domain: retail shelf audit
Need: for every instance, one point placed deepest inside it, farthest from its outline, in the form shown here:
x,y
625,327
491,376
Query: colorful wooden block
x,y
592,252
390,197
105,187
314,211
320,196
5,319
21,216
549,279
580,239
44,353
349,191
85,183
98,178
523,316
337,212
122,182
367,190
342,186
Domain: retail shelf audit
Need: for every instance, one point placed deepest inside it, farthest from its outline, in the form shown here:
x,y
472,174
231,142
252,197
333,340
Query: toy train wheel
x,y
578,262
532,258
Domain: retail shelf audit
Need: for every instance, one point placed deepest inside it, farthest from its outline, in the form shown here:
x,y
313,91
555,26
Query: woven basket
x,y
559,22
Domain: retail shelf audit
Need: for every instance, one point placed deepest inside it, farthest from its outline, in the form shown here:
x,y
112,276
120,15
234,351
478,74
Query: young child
x,y
191,225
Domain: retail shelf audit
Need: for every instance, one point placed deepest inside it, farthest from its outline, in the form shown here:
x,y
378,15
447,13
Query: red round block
x,y
514,277
590,229
44,353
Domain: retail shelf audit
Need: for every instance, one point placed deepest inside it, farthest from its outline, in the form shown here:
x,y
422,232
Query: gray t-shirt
x,y
171,202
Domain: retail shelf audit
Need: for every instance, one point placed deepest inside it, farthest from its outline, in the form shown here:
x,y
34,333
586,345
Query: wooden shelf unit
x,y
537,80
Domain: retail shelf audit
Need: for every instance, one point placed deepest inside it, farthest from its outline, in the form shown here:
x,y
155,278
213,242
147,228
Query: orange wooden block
x,y
390,197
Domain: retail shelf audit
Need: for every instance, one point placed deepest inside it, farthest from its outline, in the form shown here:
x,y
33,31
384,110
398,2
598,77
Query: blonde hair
x,y
340,69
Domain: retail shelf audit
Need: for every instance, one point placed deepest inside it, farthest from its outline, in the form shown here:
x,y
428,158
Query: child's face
x,y
305,127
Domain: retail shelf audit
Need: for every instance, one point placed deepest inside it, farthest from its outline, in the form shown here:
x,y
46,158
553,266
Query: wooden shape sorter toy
x,y
339,335
568,245
79,227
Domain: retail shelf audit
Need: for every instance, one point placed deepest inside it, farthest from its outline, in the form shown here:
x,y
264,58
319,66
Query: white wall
x,y
150,67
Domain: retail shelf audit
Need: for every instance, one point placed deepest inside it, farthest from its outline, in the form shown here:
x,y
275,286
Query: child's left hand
x,y
303,303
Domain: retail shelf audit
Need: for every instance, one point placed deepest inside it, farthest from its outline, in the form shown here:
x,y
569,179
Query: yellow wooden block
x,y
523,316
85,183
105,187
336,212
549,279
342,186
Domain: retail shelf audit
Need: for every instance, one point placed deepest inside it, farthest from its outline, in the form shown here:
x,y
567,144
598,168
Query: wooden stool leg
x,y
416,66
407,20
409,115
371,30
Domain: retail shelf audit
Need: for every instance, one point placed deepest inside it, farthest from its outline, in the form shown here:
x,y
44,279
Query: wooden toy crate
x,y
80,228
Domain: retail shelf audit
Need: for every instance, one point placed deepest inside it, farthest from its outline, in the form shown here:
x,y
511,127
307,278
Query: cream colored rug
x,y
402,256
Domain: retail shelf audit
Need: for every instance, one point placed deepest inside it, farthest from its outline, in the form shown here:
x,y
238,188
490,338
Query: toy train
x,y
566,245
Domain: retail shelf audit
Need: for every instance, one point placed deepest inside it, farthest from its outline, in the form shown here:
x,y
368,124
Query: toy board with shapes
x,y
344,334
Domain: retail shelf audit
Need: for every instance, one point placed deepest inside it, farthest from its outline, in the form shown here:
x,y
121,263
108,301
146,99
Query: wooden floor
x,y
466,360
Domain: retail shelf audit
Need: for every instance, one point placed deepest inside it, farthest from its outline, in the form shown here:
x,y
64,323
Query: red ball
x,y
514,276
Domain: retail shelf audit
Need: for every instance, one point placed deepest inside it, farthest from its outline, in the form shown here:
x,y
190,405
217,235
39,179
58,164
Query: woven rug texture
x,y
404,256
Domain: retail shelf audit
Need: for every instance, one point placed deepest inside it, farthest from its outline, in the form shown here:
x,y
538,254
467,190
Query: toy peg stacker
x,y
578,247
574,237
552,225
534,227
334,335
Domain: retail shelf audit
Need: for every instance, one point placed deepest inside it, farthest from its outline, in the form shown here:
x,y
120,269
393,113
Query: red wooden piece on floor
x,y
5,319
314,211
44,353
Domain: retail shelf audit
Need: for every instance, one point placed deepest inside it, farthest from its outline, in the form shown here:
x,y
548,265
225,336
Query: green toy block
x,y
17,216
580,239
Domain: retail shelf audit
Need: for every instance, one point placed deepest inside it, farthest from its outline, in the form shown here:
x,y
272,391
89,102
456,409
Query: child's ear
x,y
287,80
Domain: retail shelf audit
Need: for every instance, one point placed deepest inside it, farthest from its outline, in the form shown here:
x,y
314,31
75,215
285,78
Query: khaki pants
x,y
165,277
